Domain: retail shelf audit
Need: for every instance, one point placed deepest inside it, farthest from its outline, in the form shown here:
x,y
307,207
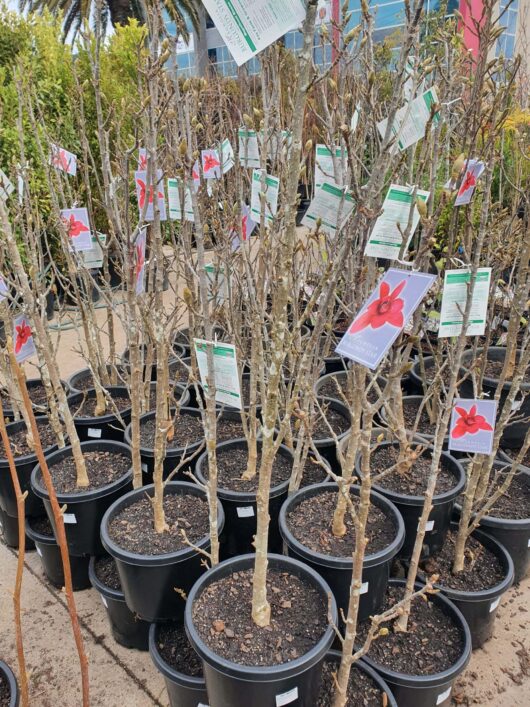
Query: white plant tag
x,y
245,512
444,695
103,599
39,551
495,604
287,697
70,518
93,432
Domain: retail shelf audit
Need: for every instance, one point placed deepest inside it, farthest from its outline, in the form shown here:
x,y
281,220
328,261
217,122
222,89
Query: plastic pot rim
x,y
167,671
83,496
11,681
27,458
254,673
242,496
333,561
493,382
436,679
504,457
174,451
168,558
102,419
39,537
98,585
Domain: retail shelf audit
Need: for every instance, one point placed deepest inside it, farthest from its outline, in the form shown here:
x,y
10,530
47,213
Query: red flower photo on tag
x,y
468,183
210,162
469,423
388,309
142,194
60,160
140,260
23,334
74,227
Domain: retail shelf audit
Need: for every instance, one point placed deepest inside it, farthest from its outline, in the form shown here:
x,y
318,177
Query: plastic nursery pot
x,y
427,690
326,446
9,531
51,561
178,351
85,509
24,466
334,362
480,608
411,507
241,507
335,658
86,374
510,458
149,581
173,455
128,630
514,433
337,571
7,674
33,384
228,683
417,385
411,399
183,690
105,427
512,534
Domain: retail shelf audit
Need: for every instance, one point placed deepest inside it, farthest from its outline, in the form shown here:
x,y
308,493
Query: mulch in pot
x,y
188,430
515,503
5,692
410,413
362,690
512,453
310,522
103,467
176,650
87,407
37,394
432,643
179,371
230,429
494,369
42,526
414,481
313,473
132,529
232,464
222,615
338,422
19,441
107,573
482,569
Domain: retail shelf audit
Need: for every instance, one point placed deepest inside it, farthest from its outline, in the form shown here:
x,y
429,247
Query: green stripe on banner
x,y
240,25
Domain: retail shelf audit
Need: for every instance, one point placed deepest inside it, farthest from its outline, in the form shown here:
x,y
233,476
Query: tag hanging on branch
x,y
77,227
472,426
63,160
145,195
140,261
23,343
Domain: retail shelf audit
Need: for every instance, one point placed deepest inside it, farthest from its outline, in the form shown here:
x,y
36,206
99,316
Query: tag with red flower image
x,y
472,171
23,338
211,164
142,159
63,160
381,320
139,269
4,289
472,426
146,193
77,228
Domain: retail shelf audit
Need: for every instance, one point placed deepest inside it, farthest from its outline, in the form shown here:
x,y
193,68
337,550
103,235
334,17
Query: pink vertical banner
x,y
471,11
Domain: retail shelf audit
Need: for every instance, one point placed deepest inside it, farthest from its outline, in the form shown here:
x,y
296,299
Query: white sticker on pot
x,y
103,599
245,511
201,704
364,588
444,695
287,697
70,518
144,467
495,604
516,405
429,525
94,432
528,542
39,551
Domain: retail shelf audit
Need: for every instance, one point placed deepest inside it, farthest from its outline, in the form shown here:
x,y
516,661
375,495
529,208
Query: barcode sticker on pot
x,y
104,601
429,525
201,704
70,518
494,604
364,588
94,432
144,467
516,405
528,542
444,695
246,512
287,697
39,551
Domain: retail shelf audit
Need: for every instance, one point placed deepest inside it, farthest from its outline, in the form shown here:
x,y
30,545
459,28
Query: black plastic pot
x,y
334,362
24,466
427,690
183,690
337,571
510,458
173,455
9,531
514,433
178,351
228,683
149,581
241,508
52,564
32,383
105,427
85,509
335,658
411,507
128,630
418,435
480,608
9,676
72,382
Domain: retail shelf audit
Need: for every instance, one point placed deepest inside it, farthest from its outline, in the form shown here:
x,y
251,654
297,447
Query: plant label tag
x,y
444,695
270,196
245,512
516,405
70,518
77,227
23,338
287,697
454,300
225,371
495,604
472,426
94,432
39,551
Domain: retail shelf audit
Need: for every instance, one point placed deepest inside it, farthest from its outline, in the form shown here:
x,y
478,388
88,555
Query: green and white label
x,y
227,389
455,294
330,208
411,120
227,156
177,210
325,169
248,148
386,238
93,258
272,188
217,285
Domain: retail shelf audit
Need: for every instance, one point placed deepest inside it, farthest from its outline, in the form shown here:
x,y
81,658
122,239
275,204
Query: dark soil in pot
x,y
175,649
9,693
313,473
83,380
406,491
232,463
87,406
180,370
421,384
108,426
365,687
419,423
510,456
104,466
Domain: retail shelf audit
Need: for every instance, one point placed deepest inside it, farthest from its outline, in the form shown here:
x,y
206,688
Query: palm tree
x,y
118,11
